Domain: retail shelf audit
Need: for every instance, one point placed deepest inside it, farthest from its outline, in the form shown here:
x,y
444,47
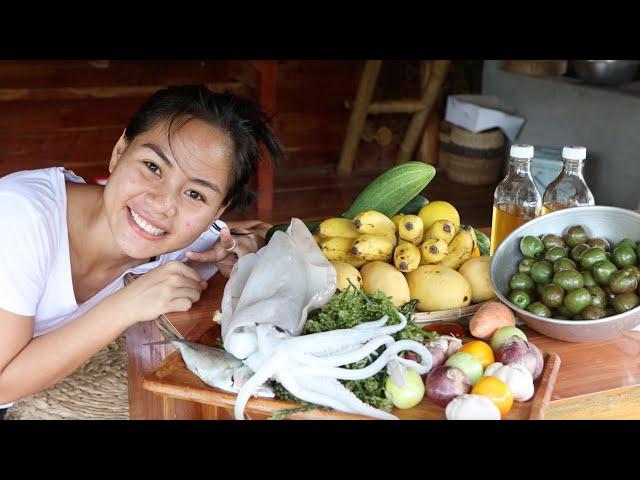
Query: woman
x,y
184,158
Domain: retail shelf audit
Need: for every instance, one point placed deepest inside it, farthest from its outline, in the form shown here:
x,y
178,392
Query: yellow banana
x,y
411,229
338,227
432,251
396,219
374,222
460,249
336,249
406,257
317,238
373,247
442,230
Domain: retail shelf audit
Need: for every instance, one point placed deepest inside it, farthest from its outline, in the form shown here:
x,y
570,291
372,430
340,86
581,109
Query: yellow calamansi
x,y
433,251
439,210
411,229
406,257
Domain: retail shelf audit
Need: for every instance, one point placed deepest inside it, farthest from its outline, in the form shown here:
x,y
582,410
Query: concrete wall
x,y
562,111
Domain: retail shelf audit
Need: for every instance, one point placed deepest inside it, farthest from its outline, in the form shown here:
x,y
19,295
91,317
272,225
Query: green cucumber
x,y
484,244
393,189
312,226
414,205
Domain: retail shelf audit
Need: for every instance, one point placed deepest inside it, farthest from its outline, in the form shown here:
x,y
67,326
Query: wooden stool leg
x,y
429,96
358,115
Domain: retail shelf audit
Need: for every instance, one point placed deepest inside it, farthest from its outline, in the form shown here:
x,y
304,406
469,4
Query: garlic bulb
x,y
517,378
472,407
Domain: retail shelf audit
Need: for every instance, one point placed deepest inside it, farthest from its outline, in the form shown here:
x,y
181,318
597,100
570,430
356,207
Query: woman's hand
x,y
226,252
172,287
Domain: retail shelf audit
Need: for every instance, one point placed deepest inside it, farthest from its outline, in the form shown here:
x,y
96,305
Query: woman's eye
x,y
195,195
153,167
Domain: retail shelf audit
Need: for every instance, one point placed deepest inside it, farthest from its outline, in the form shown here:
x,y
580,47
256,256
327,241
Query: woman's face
x,y
160,199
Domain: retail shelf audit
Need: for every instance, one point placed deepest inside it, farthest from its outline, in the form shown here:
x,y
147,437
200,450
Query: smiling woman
x,y
184,158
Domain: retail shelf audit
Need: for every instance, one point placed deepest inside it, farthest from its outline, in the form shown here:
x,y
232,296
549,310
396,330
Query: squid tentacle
x,y
350,357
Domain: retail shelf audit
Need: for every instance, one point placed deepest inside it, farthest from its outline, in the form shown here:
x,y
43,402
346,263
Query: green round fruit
x,y
531,246
623,282
569,279
603,271
525,265
522,281
624,256
520,298
625,302
539,288
575,235
627,241
592,256
468,364
598,297
577,251
552,295
564,264
589,281
540,309
577,300
599,242
593,313
632,270
541,272
562,310
555,253
550,240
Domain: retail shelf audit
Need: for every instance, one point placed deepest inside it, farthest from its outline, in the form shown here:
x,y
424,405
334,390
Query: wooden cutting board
x,y
172,379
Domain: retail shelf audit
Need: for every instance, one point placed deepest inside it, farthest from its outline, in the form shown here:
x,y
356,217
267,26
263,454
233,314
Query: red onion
x,y
520,351
444,383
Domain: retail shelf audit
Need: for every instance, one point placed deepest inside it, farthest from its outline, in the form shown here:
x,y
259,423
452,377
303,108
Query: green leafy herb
x,y
351,307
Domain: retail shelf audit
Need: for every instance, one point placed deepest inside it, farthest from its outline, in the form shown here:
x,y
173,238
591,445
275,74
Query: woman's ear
x,y
118,150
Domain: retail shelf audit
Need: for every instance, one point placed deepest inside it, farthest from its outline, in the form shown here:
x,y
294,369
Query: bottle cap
x,y
521,151
574,152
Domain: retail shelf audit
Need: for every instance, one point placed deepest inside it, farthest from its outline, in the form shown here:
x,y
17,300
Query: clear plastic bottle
x,y
569,189
516,199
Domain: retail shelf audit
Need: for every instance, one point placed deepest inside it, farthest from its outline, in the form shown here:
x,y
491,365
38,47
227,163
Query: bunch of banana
x,y
377,236
335,237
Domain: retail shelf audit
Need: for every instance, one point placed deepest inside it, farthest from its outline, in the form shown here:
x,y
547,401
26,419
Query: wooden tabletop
x,y
596,380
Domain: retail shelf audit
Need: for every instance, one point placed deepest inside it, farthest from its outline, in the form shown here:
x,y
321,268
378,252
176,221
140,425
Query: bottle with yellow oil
x,y
570,188
516,199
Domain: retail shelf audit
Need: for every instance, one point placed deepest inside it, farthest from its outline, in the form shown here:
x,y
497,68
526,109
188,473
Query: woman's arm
x,y
31,365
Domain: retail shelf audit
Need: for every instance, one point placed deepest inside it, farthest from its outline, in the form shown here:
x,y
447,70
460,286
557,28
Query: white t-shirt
x,y
35,266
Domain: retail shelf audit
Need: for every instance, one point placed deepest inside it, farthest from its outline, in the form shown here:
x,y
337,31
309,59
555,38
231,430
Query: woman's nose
x,y
161,202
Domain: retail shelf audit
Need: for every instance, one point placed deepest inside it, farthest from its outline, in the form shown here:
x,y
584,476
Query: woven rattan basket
x,y
98,390
475,158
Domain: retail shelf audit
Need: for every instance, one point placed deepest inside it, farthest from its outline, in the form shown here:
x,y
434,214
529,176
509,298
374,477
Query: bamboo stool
x,y
434,73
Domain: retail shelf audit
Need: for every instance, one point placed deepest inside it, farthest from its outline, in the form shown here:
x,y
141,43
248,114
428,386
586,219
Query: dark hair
x,y
241,119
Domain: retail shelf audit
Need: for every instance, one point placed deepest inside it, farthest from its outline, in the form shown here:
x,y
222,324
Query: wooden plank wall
x,y
45,122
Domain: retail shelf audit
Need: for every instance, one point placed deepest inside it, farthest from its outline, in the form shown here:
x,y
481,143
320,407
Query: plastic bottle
x,y
516,199
569,189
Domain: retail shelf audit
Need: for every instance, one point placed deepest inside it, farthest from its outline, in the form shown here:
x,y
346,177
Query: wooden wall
x,y
71,113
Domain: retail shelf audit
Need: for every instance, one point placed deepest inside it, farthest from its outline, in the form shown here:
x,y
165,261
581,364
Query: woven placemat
x,y
98,390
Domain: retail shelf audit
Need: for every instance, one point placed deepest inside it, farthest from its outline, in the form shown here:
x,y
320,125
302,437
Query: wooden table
x,y
596,380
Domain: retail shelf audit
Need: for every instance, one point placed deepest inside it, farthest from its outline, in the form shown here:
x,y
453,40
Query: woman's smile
x,y
145,227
